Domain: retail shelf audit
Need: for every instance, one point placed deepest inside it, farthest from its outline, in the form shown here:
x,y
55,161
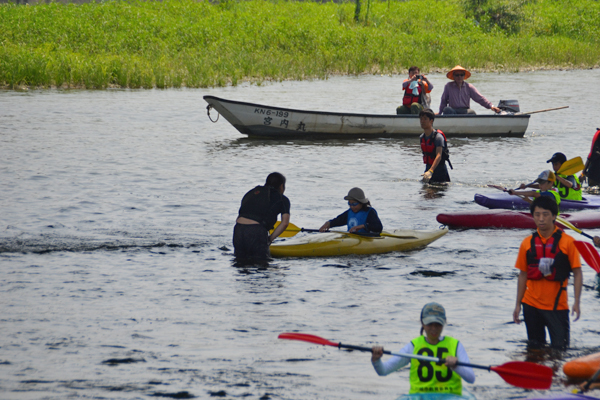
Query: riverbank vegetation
x,y
175,43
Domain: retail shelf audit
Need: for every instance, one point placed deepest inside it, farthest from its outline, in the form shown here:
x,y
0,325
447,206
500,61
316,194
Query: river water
x,y
117,279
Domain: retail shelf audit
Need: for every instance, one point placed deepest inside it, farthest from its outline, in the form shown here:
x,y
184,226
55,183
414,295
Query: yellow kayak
x,y
341,243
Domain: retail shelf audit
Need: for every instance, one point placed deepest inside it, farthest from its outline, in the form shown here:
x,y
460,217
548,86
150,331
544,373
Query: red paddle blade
x,y
525,375
589,254
305,337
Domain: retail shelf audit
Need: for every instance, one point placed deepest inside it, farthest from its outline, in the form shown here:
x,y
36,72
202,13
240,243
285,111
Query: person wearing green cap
x,y
427,377
360,217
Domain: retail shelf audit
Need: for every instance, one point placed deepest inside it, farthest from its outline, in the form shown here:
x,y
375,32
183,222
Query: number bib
x,y
432,377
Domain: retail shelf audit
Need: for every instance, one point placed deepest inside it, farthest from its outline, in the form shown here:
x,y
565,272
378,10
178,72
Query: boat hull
x,y
582,367
508,202
336,243
509,219
257,120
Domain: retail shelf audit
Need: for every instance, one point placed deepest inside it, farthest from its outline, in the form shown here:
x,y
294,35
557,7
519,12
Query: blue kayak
x,y
438,396
508,202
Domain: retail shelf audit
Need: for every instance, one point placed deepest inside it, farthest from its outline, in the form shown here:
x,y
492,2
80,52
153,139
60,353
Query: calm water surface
x,y
117,278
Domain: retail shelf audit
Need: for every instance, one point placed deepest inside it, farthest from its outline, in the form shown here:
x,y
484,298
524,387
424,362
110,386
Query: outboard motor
x,y
509,106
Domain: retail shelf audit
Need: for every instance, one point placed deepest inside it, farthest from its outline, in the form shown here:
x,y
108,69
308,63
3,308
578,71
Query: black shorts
x,y
537,321
440,174
251,241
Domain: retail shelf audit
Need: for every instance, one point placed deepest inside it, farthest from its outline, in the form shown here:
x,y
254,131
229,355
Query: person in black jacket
x,y
257,216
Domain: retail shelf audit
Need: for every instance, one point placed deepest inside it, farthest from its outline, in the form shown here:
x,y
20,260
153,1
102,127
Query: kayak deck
x,y
342,243
509,219
508,202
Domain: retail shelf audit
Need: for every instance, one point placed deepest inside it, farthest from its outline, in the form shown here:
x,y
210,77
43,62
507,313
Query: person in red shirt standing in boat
x,y
416,89
458,94
435,150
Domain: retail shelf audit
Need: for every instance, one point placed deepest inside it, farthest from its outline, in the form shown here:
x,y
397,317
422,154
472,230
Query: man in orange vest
x,y
415,90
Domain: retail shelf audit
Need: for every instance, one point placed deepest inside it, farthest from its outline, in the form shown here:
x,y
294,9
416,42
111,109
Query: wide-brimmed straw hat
x,y
450,74
358,195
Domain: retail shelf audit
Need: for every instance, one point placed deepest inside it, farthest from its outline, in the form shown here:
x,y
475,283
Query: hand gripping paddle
x,y
517,373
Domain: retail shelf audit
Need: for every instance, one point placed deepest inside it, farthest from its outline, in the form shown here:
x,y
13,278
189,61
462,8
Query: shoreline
x,y
259,82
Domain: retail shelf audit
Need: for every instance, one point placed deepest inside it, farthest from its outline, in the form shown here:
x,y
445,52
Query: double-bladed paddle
x,y
569,167
587,385
589,254
517,373
293,230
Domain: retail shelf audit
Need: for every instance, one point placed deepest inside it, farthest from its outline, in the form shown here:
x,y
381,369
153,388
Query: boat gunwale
x,y
401,116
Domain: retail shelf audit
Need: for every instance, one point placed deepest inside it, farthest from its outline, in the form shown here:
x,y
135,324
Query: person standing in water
x,y
435,150
257,216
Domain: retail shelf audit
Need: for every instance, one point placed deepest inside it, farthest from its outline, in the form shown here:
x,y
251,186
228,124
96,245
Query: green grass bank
x,y
175,43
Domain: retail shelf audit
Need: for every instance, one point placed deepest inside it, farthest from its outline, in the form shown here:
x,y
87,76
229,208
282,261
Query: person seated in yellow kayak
x,y
427,377
567,186
360,217
545,181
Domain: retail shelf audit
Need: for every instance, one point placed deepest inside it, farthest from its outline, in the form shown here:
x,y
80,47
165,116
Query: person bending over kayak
x,y
427,377
545,262
257,216
360,217
567,186
545,182
435,150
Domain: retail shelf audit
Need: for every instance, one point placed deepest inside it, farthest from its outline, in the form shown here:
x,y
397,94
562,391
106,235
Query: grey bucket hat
x,y
357,194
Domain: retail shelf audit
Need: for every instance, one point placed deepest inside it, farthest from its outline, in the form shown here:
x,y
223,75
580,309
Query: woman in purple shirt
x,y
457,95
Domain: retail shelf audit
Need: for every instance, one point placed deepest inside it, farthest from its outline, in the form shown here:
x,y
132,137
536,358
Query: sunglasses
x,y
459,75
353,204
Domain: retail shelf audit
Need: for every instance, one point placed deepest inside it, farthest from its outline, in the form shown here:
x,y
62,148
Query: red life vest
x,y
561,268
428,147
409,97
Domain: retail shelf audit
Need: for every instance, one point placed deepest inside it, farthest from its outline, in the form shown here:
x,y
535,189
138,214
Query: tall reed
x,y
174,43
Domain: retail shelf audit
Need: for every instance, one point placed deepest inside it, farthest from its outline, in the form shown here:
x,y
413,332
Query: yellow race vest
x,y
566,193
431,377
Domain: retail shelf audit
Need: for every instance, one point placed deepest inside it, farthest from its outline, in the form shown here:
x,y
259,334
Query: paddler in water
x,y
545,262
257,216
360,217
567,186
427,377
435,150
545,182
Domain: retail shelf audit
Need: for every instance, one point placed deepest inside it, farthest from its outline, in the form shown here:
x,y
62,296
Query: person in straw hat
x,y
360,217
458,94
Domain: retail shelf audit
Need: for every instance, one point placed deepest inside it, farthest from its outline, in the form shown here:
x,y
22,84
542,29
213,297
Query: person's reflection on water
x,y
433,191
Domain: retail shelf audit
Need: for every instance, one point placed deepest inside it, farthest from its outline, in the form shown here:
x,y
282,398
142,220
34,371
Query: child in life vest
x,y
360,216
425,376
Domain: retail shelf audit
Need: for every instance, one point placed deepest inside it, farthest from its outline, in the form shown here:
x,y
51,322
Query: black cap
x,y
558,157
